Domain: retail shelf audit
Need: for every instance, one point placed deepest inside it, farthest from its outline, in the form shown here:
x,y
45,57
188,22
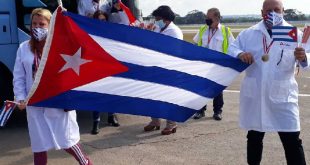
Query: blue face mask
x,y
160,24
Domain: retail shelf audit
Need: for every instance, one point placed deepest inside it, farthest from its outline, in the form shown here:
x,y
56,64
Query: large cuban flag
x,y
92,65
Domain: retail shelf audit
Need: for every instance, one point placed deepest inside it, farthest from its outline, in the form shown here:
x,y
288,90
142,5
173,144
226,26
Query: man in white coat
x,y
217,37
269,91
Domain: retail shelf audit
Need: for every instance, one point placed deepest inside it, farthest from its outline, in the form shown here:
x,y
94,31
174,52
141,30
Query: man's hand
x,y
22,105
246,57
300,54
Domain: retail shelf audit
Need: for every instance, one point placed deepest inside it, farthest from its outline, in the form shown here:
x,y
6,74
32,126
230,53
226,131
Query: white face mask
x,y
160,24
273,19
39,33
277,19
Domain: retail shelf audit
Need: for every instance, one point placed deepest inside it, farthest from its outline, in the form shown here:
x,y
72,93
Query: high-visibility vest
x,y
225,32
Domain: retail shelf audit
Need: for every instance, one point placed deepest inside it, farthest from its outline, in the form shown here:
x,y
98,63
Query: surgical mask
x,y
39,33
209,22
160,24
273,19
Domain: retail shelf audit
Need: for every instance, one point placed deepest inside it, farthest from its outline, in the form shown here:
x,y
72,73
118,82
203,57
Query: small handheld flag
x,y
6,112
306,35
128,12
284,33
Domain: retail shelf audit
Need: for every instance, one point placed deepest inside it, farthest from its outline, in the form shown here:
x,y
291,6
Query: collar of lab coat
x,y
170,26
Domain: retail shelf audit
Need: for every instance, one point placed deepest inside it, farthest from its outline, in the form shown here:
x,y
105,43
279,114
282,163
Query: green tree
x,y
294,15
195,17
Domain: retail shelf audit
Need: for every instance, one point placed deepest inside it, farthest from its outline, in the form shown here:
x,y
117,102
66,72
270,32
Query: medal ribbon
x,y
36,63
266,47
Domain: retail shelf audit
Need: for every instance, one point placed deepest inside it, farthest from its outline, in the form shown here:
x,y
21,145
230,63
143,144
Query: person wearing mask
x,y
269,91
217,37
164,18
112,117
48,127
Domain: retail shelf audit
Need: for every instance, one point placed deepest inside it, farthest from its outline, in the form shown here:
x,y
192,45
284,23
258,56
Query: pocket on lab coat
x,y
279,91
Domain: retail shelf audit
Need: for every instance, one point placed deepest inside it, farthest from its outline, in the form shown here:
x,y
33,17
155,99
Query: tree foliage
x,y
198,17
294,15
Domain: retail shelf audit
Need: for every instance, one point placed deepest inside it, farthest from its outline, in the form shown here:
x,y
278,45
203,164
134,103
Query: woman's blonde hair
x,y
39,12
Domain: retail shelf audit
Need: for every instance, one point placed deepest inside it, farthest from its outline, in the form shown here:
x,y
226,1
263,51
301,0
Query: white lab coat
x,y
216,43
172,30
269,91
48,127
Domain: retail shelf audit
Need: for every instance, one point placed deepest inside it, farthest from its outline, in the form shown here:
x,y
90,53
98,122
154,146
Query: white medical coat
x,y
48,127
269,91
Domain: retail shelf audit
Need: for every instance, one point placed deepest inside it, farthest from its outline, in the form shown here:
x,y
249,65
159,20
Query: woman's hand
x,y
22,105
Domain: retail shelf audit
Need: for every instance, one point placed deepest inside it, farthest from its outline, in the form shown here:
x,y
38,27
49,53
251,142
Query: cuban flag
x,y
306,35
128,12
100,66
6,112
284,33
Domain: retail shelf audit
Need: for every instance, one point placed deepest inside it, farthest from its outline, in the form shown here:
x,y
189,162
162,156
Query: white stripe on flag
x,y
282,37
4,116
145,90
146,57
281,30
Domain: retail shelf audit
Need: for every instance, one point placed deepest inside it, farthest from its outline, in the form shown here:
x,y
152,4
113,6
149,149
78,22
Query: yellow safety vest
x,y
225,32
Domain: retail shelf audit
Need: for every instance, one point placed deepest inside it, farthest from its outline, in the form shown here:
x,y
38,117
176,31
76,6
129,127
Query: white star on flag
x,y
73,62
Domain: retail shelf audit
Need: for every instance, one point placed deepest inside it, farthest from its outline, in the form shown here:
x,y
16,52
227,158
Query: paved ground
x,y
205,142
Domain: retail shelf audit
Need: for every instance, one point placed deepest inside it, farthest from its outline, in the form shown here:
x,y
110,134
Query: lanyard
x,y
210,36
266,47
36,63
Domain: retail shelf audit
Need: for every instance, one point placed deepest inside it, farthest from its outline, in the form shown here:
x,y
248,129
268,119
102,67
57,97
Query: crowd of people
x,y
268,98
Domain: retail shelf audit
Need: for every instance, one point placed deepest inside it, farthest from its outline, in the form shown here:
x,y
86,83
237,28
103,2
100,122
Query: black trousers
x,y
294,152
218,104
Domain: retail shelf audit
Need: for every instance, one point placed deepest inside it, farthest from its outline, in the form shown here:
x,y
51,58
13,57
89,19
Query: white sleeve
x,y
196,38
85,7
235,47
19,80
231,38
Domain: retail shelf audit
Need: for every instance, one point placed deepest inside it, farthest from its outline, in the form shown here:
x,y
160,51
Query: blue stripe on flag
x,y
155,41
196,84
280,33
284,40
90,101
283,27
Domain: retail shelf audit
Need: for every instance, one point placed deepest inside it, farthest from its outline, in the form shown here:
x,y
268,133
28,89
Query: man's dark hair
x,y
216,12
164,12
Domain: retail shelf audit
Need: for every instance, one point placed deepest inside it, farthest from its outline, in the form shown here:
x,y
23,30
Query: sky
x,y
226,7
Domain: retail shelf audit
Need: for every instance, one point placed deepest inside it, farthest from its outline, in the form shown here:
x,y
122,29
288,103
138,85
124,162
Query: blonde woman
x,y
49,128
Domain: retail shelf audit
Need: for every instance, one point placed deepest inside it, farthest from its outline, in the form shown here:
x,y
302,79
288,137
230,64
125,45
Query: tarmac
x,y
196,142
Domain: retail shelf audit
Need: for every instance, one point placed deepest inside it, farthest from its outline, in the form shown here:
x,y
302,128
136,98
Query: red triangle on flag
x,y
293,34
67,41
8,106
